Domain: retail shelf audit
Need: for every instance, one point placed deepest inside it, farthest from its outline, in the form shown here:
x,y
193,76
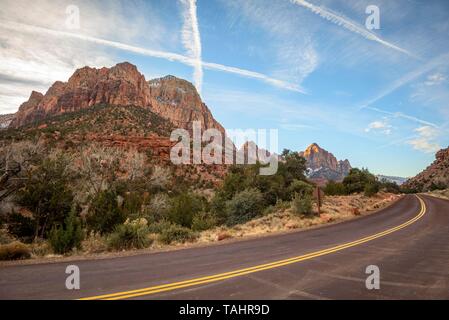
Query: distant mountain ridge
x,y
323,166
398,180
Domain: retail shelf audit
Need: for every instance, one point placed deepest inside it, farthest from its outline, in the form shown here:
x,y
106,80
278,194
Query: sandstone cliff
x,y
174,99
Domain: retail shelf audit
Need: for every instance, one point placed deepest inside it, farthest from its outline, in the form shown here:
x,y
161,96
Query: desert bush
x,y
335,189
104,213
129,236
203,221
176,233
159,226
183,207
302,204
160,178
301,188
371,188
67,236
22,227
158,208
14,251
5,237
244,206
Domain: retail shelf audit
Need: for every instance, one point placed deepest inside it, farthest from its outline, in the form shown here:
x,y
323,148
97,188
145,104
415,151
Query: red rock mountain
x,y
435,176
323,166
174,99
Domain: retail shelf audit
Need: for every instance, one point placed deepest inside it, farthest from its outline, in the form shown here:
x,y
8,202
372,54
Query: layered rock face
x,y
178,100
435,176
323,166
174,99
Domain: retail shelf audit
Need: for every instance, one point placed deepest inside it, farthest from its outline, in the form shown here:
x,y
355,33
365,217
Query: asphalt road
x,y
408,242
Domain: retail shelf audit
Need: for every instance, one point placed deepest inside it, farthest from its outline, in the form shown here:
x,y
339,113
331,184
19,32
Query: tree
x,y
47,195
104,212
356,180
67,236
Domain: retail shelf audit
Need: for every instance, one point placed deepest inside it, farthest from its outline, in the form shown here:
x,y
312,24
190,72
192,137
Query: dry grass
x,y
443,194
14,251
335,208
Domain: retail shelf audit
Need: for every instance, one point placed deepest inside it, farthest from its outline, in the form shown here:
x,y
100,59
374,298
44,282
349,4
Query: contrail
x,y
348,24
20,27
192,40
409,77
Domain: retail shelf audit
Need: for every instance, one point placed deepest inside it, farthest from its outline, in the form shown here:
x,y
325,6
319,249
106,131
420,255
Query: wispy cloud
x,y
20,27
425,140
403,116
192,40
348,24
381,126
409,77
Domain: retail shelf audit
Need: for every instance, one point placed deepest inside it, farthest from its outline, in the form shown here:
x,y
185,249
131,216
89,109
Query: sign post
x,y
318,194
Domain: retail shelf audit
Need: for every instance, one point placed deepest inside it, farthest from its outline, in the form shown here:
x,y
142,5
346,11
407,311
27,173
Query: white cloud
x,y
62,61
192,40
379,126
348,24
425,140
435,79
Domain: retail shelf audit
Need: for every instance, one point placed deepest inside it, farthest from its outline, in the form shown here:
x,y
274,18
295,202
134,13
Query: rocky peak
x,y
323,165
172,98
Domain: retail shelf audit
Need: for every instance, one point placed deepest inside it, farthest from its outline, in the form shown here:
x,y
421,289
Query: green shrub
x,y
371,189
203,221
335,189
21,227
129,236
244,206
14,251
159,226
104,213
302,204
176,233
64,238
183,207
300,187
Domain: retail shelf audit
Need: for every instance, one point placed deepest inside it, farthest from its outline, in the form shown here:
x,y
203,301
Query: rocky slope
x,y
5,120
174,99
435,176
323,166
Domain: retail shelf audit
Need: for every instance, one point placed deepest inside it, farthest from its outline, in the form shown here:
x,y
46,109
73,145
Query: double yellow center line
x,y
242,272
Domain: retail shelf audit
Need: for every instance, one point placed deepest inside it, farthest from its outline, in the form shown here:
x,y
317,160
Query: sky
x,y
311,69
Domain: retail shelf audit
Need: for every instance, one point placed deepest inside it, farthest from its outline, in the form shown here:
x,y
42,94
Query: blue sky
x,y
308,68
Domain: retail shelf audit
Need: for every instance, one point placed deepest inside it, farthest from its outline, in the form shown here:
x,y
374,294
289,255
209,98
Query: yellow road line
x,y
267,266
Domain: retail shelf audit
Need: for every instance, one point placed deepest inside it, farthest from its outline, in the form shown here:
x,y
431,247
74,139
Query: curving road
x,y
408,242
